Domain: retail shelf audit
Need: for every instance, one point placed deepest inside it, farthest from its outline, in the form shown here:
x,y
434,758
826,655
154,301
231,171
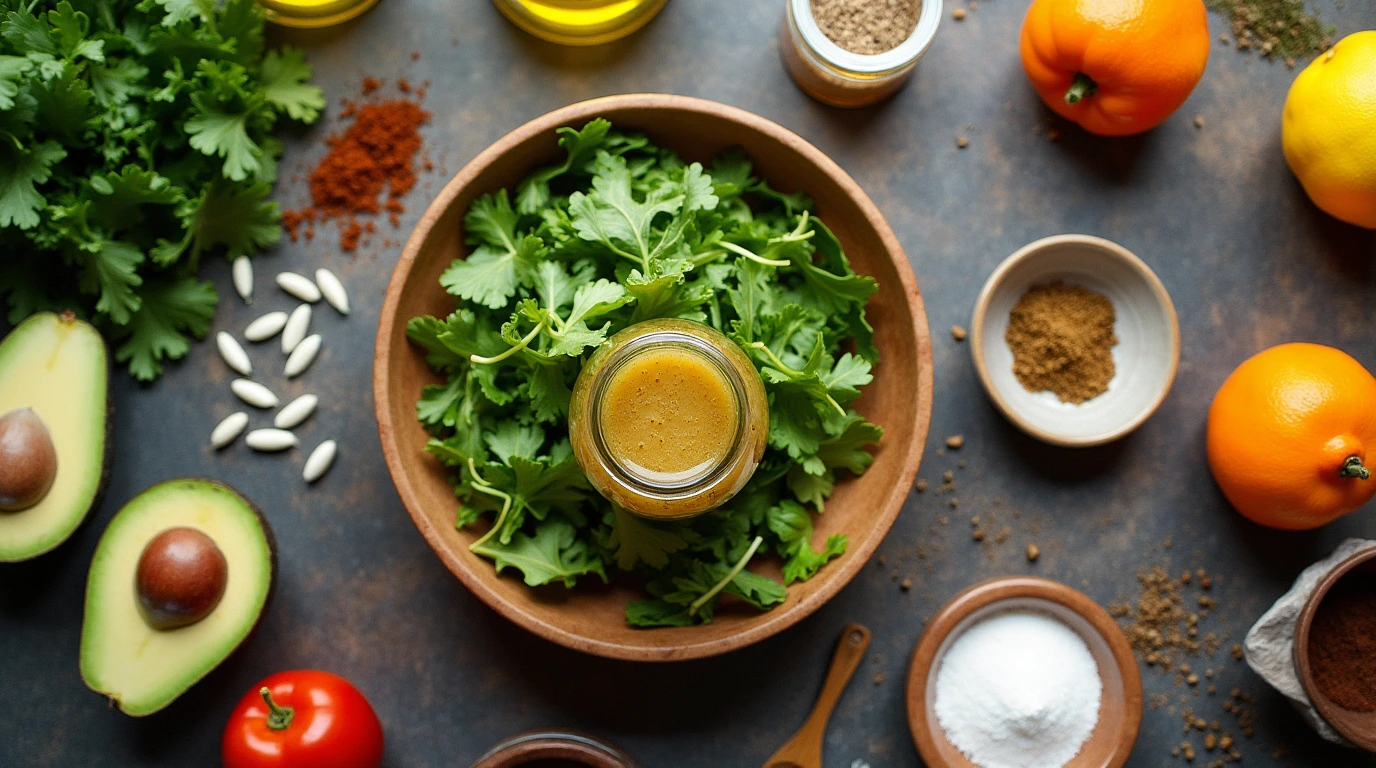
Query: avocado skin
x,y
107,455
270,538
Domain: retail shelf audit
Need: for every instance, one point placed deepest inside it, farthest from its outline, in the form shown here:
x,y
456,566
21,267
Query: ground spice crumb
x,y
955,442
958,333
415,55
962,142
1053,135
1192,679
1187,750
881,560
1237,652
866,26
403,85
943,520
905,584
921,486
371,84
960,464
1033,552
1062,340
1199,121
948,476
1284,28
955,503
974,6
974,521
879,679
977,535
958,14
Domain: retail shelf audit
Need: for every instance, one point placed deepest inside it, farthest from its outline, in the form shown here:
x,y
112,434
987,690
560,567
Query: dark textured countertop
x,y
1248,260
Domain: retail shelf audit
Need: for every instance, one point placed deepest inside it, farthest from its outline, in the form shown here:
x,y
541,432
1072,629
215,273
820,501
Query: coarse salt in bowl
x,y
1145,358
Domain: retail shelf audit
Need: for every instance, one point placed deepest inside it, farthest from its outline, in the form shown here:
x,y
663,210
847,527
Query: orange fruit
x,y
1116,67
1288,433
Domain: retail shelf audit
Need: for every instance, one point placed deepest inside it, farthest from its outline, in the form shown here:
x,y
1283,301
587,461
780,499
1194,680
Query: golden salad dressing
x,y
668,419
580,22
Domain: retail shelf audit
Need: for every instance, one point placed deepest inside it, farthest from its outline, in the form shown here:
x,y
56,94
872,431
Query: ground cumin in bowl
x,y
1075,340
1335,648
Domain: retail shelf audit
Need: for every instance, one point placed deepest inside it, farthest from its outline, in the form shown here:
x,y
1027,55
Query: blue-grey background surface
x,y
1248,260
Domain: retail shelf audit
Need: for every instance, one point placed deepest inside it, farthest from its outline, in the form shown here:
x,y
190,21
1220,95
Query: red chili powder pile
x,y
374,154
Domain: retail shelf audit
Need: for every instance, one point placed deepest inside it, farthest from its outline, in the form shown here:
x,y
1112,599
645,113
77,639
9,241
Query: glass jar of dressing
x,y
668,419
580,22
833,75
313,13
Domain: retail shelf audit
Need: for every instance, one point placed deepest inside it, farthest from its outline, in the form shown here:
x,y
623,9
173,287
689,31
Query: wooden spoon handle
x,y
855,639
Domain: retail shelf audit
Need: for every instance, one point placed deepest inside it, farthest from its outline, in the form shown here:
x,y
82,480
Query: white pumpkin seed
x,y
304,354
271,440
295,412
243,278
234,355
332,290
318,463
253,393
226,431
266,327
297,326
299,286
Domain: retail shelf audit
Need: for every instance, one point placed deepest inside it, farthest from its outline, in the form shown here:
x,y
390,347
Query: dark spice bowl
x,y
1357,727
555,749
1120,707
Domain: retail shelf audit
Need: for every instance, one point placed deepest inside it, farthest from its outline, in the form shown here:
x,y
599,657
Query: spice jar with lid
x,y
580,22
843,78
668,419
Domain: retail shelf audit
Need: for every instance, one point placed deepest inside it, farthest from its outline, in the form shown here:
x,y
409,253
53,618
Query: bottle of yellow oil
x,y
580,22
313,13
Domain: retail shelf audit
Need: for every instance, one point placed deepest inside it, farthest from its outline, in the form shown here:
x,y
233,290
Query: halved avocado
x,y
143,669
57,366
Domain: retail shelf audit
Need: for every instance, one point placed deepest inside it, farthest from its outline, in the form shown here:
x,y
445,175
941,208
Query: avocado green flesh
x,y
143,669
58,368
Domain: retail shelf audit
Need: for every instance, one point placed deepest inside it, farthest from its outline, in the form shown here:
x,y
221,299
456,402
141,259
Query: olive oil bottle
x,y
580,22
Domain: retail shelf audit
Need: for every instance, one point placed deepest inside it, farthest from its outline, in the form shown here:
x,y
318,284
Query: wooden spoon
x,y
804,750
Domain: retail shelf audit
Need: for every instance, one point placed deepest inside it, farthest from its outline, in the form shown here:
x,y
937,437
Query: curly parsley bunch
x,y
135,137
623,231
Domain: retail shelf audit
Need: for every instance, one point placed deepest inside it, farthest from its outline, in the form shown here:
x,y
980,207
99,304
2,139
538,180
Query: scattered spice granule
x,y
921,486
1053,135
977,535
348,240
962,142
905,584
371,84
403,85
955,502
974,521
881,560
974,6
1199,121
879,679
415,55
958,14
1237,653
955,442
948,476
1033,552
866,26
960,464
1284,28
958,333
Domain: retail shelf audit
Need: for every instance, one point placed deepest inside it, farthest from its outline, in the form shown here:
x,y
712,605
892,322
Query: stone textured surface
x,y
1214,210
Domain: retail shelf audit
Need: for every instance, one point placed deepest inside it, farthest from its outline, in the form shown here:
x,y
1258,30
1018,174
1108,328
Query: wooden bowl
x,y
1357,727
1120,709
545,747
591,618
1146,357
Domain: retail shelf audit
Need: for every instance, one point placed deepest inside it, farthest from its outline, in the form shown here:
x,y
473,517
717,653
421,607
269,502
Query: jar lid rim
x,y
896,58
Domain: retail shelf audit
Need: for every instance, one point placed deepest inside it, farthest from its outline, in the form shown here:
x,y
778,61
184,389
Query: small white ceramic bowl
x,y
1146,357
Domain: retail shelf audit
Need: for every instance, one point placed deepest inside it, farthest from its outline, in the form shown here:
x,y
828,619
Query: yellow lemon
x,y
1329,129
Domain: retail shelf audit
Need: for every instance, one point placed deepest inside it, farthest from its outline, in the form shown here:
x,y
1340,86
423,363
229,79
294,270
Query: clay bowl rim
x,y
574,746
987,593
986,294
767,624
1326,707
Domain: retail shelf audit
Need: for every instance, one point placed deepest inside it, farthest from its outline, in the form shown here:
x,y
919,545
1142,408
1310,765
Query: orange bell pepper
x,y
1116,67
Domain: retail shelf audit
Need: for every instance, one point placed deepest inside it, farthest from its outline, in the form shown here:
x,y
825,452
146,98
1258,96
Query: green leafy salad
x,y
620,232
135,137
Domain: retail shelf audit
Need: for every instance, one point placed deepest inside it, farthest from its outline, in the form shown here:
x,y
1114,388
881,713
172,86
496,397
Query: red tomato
x,y
303,719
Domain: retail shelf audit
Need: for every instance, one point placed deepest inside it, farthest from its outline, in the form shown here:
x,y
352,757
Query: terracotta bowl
x,y
1357,727
1120,709
554,747
591,618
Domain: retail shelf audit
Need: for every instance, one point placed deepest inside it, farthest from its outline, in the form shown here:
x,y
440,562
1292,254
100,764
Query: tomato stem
x,y
1353,467
278,717
1083,87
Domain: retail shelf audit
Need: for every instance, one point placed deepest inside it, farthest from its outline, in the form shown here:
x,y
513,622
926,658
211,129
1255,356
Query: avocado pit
x,y
181,577
28,460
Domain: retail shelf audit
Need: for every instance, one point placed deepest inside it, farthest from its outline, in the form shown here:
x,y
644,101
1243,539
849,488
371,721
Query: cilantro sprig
x,y
623,231
135,138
